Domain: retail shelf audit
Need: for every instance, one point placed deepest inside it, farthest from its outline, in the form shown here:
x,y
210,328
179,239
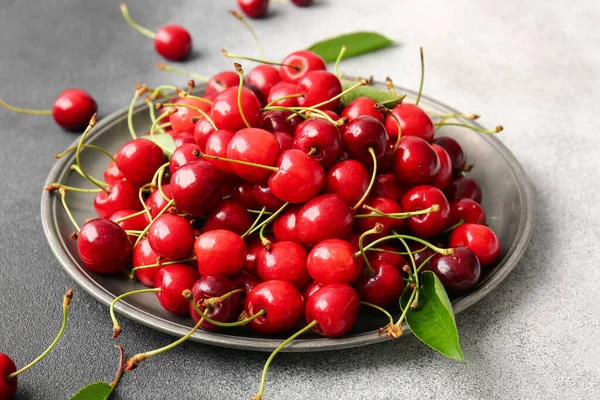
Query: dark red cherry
x,y
172,280
284,89
171,237
415,162
245,281
264,77
310,289
325,217
221,81
216,145
463,187
220,252
225,112
286,261
137,223
468,210
420,254
121,196
8,387
197,188
184,154
138,160
286,141
333,261
302,3
112,173
156,201
265,198
384,288
458,272
73,109
254,8
276,121
103,246
318,87
362,106
230,216
282,302
255,146
361,134
348,179
299,179
456,153
210,287
389,256
387,186
298,63
144,255
284,227
257,92
321,138
335,308
480,239
443,178
421,198
173,42
181,120
384,205
242,193
413,121
253,247
202,130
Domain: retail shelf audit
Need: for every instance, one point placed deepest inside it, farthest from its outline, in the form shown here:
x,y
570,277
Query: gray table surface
x,y
531,65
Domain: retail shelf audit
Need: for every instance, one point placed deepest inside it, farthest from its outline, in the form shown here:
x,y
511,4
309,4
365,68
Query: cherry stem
x,y
190,297
499,128
57,186
134,24
395,117
159,264
146,210
267,221
161,174
78,152
216,301
240,72
66,303
116,328
147,228
63,194
150,105
405,311
155,125
422,76
263,380
264,241
453,227
247,25
157,93
24,110
373,174
390,86
182,94
387,314
115,381
139,90
404,215
260,214
452,115
446,252
259,211
169,68
337,61
95,181
87,146
378,228
289,96
136,214
205,115
412,305
231,55
422,265
199,154
362,82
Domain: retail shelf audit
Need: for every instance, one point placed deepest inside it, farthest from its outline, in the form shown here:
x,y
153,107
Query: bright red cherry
x,y
112,173
171,237
156,201
73,109
144,255
362,106
389,256
284,227
480,239
197,188
182,155
137,223
253,247
299,178
256,146
286,261
360,135
182,138
103,246
172,280
334,307
443,178
265,198
264,77
210,287
276,121
121,196
221,81
138,160
387,186
456,153
298,63
173,42
284,89
282,302
463,187
181,120
386,206
421,198
318,87
225,112
220,252
458,272
8,387
310,289
333,261
202,131
349,179
230,216
413,121
325,217
468,210
384,288
216,145
321,138
415,162
286,141
254,8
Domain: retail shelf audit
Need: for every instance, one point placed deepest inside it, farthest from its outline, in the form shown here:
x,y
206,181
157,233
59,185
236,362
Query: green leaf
x,y
433,321
165,141
94,391
380,96
356,43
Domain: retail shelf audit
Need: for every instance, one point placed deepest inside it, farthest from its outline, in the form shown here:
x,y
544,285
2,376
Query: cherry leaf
x,y
356,43
165,141
93,391
378,95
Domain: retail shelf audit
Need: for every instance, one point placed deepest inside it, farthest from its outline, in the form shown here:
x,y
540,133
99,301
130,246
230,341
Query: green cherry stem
x,y
205,115
147,228
95,181
289,96
264,241
169,68
424,263
422,76
337,61
260,214
139,90
57,186
267,221
116,327
497,129
447,252
404,215
190,297
63,195
413,305
145,210
240,72
378,228
453,227
258,60
136,214
445,116
115,381
383,310
78,152
159,264
390,85
66,303
373,175
135,25
86,146
239,17
402,253
24,110
405,311
157,93
199,154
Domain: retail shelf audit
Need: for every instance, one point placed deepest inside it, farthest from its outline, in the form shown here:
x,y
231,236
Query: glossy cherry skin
x,y
216,145
156,202
8,387
420,254
181,120
458,272
333,261
264,77
265,198
103,246
122,196
468,210
463,187
456,153
480,239
220,252
245,281
112,173
348,179
143,254
225,112
310,289
253,247
362,106
197,188
299,179
173,280
255,146
302,3
421,198
171,237
73,109
387,186
326,216
242,193
361,134
282,302
389,256
286,261
284,227
413,121
286,141
334,307
182,138
283,89
202,131
415,162
138,160
384,288
230,216
221,81
276,121
214,286
137,223
443,178
182,155
254,8
386,206
321,135
173,42
317,87
304,61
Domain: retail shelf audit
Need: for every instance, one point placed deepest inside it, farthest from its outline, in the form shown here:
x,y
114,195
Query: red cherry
x,y
103,246
286,261
73,109
220,252
468,210
362,106
480,239
144,255
283,89
225,112
182,155
112,173
299,178
386,206
156,202
282,302
197,188
242,193
456,153
285,140
384,288
284,227
255,146
181,120
182,138
276,121
138,160
172,280
246,281
458,272
333,261
265,198
202,130
348,179
302,3
334,307
121,196
252,249
415,162
443,178
171,237
317,87
264,77
254,8
310,289
421,198
137,223
463,187
216,145
209,287
298,63
361,134
173,42
8,387
413,121
221,81
230,216
387,186
389,257
320,137
325,217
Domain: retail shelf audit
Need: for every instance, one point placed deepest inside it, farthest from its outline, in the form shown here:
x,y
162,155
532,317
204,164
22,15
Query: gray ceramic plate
x,y
508,201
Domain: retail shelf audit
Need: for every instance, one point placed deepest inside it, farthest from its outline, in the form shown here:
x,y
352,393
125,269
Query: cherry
x,y
415,162
171,237
254,247
468,210
265,198
73,109
443,178
281,90
389,256
282,302
221,81
299,178
385,206
225,112
103,246
326,216
196,188
334,307
143,254
361,134
384,288
284,227
255,146
182,155
319,138
421,198
310,289
202,130
302,3
456,153
156,201
138,160
387,186
264,77
298,63
362,106
245,281
480,239
172,280
420,254
413,121
216,145
285,261
318,87
333,261
254,8
276,121
181,120
348,179
211,287
182,138
220,252
286,141
242,193
112,173
121,196
8,386
230,216
458,272
137,223
463,187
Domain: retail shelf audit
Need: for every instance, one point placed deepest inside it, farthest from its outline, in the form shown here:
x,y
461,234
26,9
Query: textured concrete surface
x,y
532,66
